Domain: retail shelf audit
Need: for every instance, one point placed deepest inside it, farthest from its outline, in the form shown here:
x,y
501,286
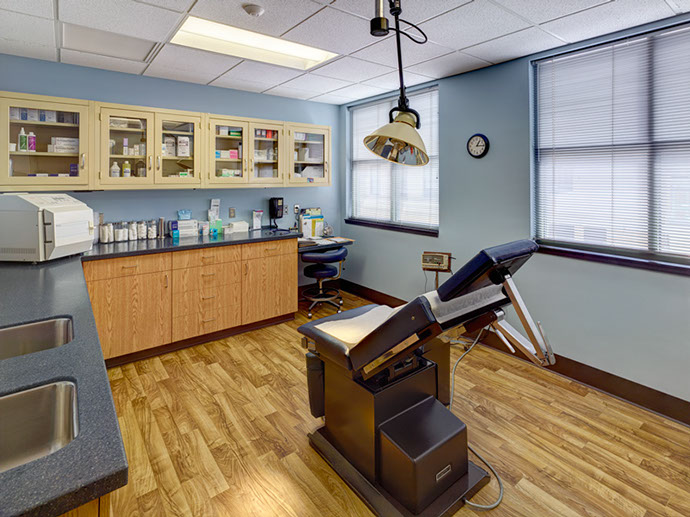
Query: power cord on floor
x,y
475,506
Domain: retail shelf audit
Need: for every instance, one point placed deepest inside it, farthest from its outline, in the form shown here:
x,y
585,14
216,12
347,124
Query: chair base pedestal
x,y
382,503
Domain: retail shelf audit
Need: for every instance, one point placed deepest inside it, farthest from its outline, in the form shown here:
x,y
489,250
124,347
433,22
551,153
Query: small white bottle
x,y
126,170
31,142
115,170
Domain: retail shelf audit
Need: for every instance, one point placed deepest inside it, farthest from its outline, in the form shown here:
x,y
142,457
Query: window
x,y
387,194
612,147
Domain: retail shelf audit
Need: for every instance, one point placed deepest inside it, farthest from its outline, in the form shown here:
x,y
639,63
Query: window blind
x,y
612,146
388,193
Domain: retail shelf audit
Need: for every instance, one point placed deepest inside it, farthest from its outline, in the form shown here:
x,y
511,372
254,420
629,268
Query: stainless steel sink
x,y
37,422
34,337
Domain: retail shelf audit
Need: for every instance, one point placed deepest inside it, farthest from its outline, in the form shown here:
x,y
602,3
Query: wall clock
x,y
478,146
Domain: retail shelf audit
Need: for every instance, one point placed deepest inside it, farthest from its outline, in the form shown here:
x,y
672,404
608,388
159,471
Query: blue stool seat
x,y
320,271
325,257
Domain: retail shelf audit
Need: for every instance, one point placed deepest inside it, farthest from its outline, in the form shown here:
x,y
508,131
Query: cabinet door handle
x,y
208,297
208,321
246,268
150,162
208,257
245,165
271,249
326,168
83,160
130,267
208,274
158,162
166,281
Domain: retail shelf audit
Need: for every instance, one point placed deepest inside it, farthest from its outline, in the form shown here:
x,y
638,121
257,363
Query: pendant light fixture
x,y
398,141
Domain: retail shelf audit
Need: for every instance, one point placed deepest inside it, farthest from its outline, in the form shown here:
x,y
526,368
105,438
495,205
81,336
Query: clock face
x,y
478,146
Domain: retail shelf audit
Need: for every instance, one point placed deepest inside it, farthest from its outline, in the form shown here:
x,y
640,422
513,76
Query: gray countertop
x,y
94,463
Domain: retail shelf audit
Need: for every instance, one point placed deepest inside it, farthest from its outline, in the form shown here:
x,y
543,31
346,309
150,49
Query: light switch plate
x,y
231,213
297,209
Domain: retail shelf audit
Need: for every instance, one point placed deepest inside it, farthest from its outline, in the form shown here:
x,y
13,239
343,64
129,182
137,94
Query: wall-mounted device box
x,y
275,208
436,261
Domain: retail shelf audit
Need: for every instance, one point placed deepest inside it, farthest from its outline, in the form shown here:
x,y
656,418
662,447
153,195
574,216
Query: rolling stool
x,y
321,270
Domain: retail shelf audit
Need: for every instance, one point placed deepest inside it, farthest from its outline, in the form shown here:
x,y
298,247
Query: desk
x,y
323,247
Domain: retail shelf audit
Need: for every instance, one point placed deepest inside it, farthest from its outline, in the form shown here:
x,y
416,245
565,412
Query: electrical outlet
x,y
297,209
231,213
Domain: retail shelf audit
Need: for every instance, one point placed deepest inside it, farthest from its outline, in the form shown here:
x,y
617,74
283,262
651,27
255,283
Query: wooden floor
x,y
220,430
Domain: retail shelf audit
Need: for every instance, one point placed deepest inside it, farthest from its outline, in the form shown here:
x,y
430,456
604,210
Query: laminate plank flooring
x,y
220,429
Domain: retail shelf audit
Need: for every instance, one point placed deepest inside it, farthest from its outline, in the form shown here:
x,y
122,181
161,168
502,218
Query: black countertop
x,y
144,246
94,463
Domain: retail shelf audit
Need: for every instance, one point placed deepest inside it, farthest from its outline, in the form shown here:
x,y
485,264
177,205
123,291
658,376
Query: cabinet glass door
x,y
177,156
228,152
43,143
126,150
310,150
266,158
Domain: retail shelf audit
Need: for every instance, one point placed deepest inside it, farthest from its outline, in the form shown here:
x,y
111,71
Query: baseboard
x,y
197,340
638,394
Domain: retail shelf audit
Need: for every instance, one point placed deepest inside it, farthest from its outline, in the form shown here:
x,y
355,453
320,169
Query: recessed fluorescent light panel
x,y
224,39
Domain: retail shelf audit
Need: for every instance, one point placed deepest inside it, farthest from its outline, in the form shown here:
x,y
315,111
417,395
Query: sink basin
x,y
37,422
34,337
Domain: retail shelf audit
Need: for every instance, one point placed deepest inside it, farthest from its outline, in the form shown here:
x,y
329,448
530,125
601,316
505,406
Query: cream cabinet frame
x,y
255,145
216,162
196,159
39,158
294,162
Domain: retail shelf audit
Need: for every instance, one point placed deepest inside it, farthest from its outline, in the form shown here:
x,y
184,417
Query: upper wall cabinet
x,y
310,154
266,165
145,148
43,144
227,155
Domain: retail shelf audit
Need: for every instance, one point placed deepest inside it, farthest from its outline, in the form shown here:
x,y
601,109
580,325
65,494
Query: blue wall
x,y
46,78
629,322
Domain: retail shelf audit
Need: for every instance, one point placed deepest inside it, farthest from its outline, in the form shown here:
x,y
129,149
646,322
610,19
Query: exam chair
x,y
380,377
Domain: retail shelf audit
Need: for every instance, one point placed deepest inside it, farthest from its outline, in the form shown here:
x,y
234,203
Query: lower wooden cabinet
x,y
269,287
96,508
146,301
132,313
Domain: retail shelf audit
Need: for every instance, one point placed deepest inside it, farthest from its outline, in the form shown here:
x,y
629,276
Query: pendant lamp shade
x,y
399,142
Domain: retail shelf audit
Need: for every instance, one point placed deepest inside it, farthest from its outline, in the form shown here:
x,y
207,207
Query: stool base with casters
x,y
321,270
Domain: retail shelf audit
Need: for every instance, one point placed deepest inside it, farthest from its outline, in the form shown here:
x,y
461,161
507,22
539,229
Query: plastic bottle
x,y
22,141
115,170
31,141
126,170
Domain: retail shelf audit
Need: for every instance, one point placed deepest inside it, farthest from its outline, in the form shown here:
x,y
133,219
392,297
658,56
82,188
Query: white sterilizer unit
x,y
38,227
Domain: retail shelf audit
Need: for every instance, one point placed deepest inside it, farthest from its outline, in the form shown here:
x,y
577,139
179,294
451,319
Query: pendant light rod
x,y
380,27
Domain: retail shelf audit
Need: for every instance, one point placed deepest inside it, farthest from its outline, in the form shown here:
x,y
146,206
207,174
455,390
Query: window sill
x,y
616,260
393,227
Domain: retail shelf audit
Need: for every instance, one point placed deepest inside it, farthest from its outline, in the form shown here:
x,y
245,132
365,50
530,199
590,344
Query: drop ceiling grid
x,y
509,29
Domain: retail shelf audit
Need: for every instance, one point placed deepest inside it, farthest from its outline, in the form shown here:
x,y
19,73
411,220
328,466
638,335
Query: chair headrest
x,y
489,266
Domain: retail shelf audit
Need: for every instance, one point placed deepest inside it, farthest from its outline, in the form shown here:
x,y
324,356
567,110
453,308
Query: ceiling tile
x,y
180,6
99,42
332,30
607,18
74,57
239,84
279,15
518,44
24,28
683,5
359,91
451,64
295,93
351,69
316,83
385,52
120,16
189,64
471,24
27,49
540,11
391,80
42,8
330,98
415,12
260,73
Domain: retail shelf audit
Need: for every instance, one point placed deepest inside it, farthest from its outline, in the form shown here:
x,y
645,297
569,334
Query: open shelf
x,y
186,133
307,163
127,129
229,137
29,154
135,156
265,161
265,139
178,157
38,123
235,160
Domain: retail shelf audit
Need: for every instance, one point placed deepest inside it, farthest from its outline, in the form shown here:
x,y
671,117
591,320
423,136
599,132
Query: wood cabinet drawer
x,y
196,324
204,277
206,256
204,300
269,248
126,266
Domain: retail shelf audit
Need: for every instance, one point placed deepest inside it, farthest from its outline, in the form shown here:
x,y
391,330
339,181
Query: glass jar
x,y
151,229
142,229
121,232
